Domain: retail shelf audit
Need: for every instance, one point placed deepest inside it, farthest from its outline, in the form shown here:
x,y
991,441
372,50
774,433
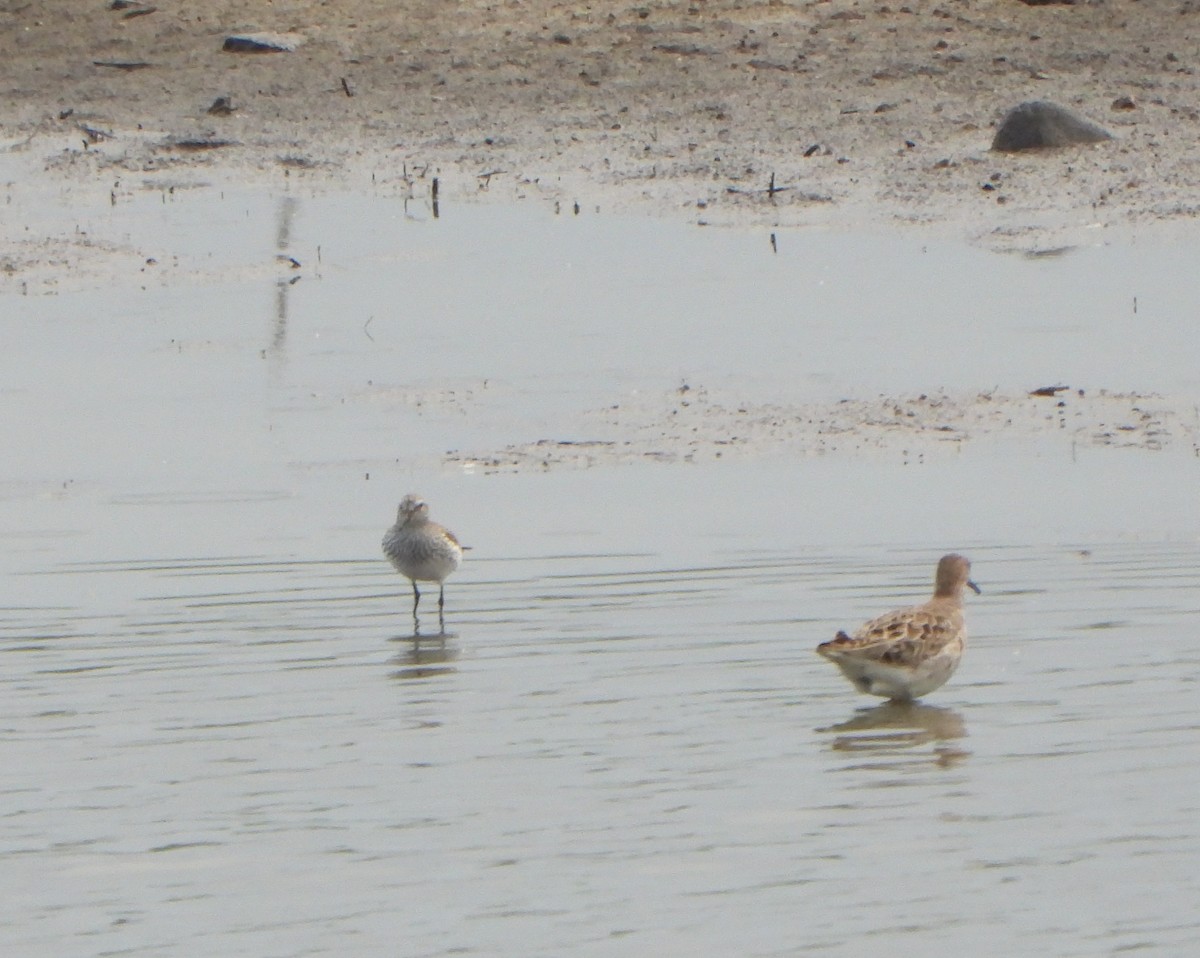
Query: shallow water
x,y
254,758
221,739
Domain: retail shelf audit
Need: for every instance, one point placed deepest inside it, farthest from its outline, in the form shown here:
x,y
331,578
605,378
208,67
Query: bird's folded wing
x,y
900,638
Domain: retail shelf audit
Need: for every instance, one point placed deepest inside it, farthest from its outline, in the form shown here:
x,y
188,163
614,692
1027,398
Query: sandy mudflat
x,y
862,112
861,115
690,425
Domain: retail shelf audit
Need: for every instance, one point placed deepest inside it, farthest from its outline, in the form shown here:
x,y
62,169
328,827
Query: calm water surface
x,y
220,737
254,757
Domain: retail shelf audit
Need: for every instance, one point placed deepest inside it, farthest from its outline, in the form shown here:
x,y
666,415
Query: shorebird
x,y
908,653
421,550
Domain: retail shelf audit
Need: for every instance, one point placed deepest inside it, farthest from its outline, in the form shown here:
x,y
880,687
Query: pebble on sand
x,y
262,43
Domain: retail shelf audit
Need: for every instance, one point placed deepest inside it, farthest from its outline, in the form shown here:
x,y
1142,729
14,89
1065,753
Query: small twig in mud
x,y
197,145
771,189
1048,390
346,88
417,173
97,136
485,179
122,64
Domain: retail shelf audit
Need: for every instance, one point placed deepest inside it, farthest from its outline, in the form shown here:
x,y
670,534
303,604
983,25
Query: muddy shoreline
x,y
823,115
691,425
856,113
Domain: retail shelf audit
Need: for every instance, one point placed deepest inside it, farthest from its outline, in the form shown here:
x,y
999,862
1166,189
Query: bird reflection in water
x,y
426,655
891,730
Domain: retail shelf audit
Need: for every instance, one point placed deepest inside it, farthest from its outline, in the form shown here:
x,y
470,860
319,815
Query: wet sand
x,y
858,114
863,117
690,425
711,345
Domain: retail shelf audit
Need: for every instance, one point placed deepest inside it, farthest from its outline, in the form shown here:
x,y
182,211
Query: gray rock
x,y
1039,124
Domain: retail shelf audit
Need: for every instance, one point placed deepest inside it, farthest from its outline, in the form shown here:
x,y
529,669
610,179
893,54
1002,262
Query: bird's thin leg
x,y
416,602
441,607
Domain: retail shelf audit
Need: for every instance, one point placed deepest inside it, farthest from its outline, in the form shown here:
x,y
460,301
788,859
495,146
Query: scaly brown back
x,y
904,637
